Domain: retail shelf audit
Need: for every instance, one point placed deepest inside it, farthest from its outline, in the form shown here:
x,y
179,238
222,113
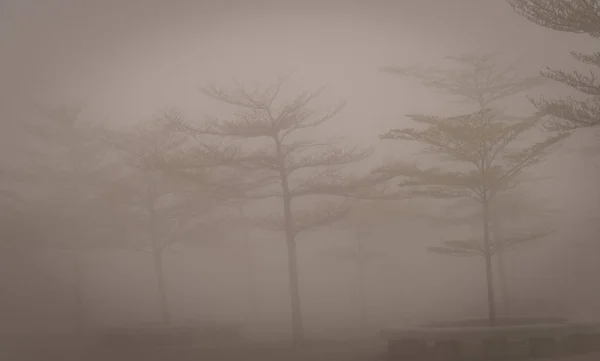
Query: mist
x,y
93,239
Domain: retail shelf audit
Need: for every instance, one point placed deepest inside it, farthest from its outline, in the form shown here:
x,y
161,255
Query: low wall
x,y
491,343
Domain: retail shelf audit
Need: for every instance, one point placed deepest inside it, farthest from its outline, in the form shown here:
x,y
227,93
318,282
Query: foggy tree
x,y
515,218
363,220
270,142
481,80
21,253
169,209
575,16
484,149
13,207
511,214
358,255
69,163
250,269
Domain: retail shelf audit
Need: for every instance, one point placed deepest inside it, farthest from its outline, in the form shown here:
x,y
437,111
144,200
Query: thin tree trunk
x,y
290,240
80,321
489,272
488,262
290,237
506,300
251,282
157,259
80,315
165,315
566,289
498,238
297,327
361,282
219,310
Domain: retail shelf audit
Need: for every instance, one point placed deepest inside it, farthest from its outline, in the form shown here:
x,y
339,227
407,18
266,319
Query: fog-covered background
x,y
126,60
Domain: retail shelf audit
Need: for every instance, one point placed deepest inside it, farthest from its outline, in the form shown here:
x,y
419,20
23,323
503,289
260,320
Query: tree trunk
x,y
297,327
80,321
488,262
498,238
490,290
217,283
290,237
251,282
163,304
362,296
566,286
80,314
157,250
361,283
252,302
506,300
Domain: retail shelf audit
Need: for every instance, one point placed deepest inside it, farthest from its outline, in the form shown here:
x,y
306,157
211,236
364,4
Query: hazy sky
x,y
127,58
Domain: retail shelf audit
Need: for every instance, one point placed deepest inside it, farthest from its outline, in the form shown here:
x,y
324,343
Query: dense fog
x,y
110,218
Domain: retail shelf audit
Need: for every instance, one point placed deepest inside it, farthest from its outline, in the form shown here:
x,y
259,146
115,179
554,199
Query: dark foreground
x,y
349,351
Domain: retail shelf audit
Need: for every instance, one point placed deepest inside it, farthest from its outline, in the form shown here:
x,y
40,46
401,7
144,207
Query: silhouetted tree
x,y
271,145
574,16
483,148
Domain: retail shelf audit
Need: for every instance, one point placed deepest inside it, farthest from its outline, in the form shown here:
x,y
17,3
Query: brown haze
x,y
125,60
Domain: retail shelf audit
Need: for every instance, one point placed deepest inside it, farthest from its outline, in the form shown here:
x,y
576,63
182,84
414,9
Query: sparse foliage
x,y
478,79
474,247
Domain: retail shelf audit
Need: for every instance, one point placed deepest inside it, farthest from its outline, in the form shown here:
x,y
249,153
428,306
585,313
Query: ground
x,y
339,351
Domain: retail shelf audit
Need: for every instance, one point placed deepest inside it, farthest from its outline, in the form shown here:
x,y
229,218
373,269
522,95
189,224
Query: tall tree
x,y
169,209
483,149
484,81
574,16
271,144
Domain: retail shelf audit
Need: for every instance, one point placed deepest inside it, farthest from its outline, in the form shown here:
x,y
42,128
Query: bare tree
x,y
482,147
271,145
574,16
